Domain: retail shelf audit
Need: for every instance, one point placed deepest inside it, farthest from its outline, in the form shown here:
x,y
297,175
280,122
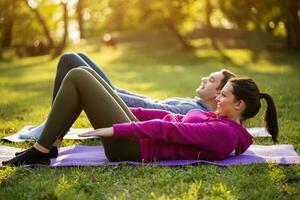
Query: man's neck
x,y
211,104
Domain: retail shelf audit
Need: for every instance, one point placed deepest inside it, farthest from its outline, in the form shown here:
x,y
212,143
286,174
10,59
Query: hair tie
x,y
261,95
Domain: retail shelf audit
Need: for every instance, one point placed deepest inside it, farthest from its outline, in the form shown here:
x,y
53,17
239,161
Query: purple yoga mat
x,y
79,155
94,156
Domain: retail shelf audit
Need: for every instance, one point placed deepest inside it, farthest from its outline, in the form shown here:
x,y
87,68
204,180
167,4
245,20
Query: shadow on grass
x,y
30,95
13,70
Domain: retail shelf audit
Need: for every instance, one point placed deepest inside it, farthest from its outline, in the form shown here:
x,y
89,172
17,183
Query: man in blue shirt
x,y
205,94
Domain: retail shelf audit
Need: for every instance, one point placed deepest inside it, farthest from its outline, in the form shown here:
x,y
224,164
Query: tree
x,y
260,14
60,47
42,22
173,13
291,23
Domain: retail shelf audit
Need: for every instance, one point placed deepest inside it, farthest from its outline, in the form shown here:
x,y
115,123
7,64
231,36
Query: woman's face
x,y
227,105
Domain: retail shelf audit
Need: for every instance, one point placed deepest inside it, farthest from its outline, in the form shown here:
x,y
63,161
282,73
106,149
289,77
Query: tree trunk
x,y
8,22
1,56
209,25
80,21
292,26
66,22
59,49
179,37
42,22
7,32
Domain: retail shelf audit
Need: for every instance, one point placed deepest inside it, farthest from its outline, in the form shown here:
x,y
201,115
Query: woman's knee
x,y
86,68
77,74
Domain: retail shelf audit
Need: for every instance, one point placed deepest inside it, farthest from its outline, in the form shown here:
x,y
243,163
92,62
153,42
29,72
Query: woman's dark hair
x,y
246,89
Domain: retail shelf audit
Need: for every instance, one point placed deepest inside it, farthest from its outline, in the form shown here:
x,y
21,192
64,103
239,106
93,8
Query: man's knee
x,y
82,54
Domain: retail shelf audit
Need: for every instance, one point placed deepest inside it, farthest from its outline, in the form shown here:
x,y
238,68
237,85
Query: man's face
x,y
208,88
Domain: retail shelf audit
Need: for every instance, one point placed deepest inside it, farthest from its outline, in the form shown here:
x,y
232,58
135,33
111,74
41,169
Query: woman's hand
x,y
103,132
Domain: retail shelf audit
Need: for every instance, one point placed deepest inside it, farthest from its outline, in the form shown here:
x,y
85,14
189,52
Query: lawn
x,y
159,70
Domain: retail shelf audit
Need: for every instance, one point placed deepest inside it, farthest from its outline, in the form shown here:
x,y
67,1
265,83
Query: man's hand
x,y
103,132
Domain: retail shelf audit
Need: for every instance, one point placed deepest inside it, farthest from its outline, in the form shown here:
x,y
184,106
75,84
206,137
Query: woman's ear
x,y
240,105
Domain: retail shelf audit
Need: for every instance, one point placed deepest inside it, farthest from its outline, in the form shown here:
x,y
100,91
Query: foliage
x,y
274,16
24,21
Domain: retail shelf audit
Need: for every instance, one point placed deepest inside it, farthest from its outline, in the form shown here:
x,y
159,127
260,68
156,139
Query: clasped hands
x,y
103,132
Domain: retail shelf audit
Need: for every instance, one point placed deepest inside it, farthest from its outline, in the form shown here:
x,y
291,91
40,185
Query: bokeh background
x,y
37,27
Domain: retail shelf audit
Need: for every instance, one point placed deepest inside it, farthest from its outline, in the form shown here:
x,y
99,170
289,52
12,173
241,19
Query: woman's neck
x,y
236,119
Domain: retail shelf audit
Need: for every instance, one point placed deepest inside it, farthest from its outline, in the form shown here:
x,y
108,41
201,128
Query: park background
x,y
159,48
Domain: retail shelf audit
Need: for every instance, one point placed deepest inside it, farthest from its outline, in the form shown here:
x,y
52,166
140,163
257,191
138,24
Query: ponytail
x,y
270,117
246,89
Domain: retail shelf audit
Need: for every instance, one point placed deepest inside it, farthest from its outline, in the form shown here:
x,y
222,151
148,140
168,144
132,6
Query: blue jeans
x,y
175,105
73,60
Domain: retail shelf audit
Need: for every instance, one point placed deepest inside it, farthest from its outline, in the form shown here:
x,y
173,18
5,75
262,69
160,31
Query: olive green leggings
x,y
84,89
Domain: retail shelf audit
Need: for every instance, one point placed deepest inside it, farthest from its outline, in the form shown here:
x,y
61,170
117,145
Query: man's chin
x,y
198,95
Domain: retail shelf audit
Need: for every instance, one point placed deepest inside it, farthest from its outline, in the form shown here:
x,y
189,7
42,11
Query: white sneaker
x,y
33,133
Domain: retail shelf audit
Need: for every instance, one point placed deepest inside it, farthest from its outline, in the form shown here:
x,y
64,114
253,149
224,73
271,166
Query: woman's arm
x,y
212,133
103,132
148,114
213,136
140,113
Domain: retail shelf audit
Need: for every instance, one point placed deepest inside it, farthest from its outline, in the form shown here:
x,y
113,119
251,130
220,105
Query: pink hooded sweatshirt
x,y
196,135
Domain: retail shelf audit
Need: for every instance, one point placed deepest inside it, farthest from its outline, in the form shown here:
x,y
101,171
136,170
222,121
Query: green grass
x,y
160,70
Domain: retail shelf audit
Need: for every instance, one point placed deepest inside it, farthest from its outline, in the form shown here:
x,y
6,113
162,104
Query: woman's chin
x,y
220,114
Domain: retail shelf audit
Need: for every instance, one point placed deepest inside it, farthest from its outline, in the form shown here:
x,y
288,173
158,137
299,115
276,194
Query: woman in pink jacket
x,y
150,135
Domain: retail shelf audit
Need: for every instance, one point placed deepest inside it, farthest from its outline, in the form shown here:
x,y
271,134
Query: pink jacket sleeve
x,y
209,134
148,114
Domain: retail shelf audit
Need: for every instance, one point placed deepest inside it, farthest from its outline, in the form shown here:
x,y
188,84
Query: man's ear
x,y
218,93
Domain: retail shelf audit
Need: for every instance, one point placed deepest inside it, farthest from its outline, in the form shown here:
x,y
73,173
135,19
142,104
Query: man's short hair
x,y
227,75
